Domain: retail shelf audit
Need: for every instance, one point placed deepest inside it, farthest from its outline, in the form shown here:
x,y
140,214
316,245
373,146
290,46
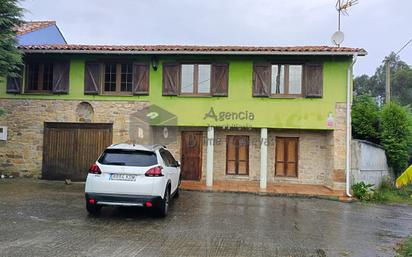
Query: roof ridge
x,y
196,49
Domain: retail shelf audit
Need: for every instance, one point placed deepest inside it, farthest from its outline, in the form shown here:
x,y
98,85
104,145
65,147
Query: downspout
x,y
349,124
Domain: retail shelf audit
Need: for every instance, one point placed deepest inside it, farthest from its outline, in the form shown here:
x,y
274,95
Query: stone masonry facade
x,y
321,153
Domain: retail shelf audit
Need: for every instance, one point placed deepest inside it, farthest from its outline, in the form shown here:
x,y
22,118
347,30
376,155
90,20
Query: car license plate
x,y
123,177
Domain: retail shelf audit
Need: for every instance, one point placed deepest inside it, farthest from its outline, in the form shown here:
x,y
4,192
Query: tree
x,y
10,57
402,85
396,135
375,85
365,119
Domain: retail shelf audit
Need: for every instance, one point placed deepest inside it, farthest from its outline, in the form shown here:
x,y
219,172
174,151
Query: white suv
x,y
133,175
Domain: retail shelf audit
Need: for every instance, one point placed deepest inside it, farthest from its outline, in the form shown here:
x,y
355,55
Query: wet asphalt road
x,y
39,218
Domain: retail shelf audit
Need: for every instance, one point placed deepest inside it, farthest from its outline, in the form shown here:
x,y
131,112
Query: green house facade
x,y
268,114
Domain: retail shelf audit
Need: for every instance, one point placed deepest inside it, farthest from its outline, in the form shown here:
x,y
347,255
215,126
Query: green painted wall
x,y
299,113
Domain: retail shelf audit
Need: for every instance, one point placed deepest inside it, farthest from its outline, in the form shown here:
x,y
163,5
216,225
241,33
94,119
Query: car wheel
x,y
164,206
177,192
93,209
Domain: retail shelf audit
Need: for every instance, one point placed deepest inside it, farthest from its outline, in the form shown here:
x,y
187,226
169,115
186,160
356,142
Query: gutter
x,y
348,124
42,51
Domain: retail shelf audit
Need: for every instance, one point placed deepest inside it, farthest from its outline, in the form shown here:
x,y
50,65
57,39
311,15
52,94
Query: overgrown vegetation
x,y
385,193
396,135
390,126
362,191
405,250
365,119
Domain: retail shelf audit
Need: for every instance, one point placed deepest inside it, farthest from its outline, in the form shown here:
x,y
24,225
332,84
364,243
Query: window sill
x,y
286,96
115,94
287,177
195,96
238,176
38,93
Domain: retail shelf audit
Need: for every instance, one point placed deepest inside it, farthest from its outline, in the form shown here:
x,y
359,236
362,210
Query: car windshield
x,y
128,157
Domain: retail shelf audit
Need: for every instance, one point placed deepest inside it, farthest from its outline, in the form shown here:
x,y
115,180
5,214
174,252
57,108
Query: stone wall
x,y
22,153
313,152
321,153
337,142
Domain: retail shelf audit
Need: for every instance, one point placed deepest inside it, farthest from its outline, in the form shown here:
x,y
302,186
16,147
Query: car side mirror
x,y
177,164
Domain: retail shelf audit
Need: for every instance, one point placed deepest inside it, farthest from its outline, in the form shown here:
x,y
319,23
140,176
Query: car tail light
x,y
154,172
94,169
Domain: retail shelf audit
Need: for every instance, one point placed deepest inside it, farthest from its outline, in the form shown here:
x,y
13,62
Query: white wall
x,y
368,163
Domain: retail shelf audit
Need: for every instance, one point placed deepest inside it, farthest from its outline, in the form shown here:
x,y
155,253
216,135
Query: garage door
x,y
70,148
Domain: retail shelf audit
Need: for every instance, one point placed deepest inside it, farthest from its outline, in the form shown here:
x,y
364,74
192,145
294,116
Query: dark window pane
x,y
33,76
126,77
48,76
128,157
110,77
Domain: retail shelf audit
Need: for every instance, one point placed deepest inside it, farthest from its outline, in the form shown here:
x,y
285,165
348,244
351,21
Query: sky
x,y
379,26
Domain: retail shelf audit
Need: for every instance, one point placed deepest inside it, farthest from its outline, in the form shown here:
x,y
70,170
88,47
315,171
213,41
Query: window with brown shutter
x,y
39,77
286,159
47,77
14,83
117,78
314,80
287,80
195,79
237,155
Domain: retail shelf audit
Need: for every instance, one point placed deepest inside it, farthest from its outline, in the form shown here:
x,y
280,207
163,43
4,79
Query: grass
x,y
405,250
387,193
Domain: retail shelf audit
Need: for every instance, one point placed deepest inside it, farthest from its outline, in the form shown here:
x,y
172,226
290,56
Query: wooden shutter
x,y
61,77
141,78
313,80
92,78
171,78
261,79
237,155
219,79
286,160
15,84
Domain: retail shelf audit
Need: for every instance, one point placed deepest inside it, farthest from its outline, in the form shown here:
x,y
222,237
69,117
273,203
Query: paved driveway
x,y
39,218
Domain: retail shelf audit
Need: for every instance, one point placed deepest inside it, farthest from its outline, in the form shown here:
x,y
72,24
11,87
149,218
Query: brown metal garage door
x,y
70,148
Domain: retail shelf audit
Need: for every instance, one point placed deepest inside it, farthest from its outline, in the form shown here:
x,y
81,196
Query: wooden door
x,y
237,155
286,156
191,168
70,148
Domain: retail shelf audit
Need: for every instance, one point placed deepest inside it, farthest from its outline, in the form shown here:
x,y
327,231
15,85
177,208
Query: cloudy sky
x,y
379,26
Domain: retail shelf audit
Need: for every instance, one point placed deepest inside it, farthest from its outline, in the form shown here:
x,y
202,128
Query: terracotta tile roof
x,y
31,26
195,49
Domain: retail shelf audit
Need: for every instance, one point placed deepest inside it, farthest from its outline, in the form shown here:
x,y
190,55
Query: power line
x,y
405,45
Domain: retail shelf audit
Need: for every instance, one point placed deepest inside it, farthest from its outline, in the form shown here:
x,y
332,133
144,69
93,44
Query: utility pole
x,y
388,81
388,74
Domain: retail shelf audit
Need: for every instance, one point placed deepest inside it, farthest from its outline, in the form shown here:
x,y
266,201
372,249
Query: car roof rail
x,y
155,146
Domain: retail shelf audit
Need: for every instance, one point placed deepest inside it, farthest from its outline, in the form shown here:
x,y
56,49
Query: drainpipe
x,y
348,124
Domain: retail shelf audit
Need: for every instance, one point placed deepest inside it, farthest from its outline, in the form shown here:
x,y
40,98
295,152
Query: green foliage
x,y
362,191
386,193
396,135
365,119
10,18
401,81
405,250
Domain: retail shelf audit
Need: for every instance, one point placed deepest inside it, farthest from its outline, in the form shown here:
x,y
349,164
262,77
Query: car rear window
x,y
128,157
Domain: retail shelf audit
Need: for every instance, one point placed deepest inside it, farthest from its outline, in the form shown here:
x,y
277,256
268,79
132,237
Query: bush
x,y
365,119
396,135
362,191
